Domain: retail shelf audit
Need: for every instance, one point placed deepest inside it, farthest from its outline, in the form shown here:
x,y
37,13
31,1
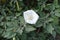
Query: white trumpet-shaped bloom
x,y
30,16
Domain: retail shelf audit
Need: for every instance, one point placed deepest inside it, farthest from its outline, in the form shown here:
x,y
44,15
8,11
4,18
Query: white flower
x,y
30,16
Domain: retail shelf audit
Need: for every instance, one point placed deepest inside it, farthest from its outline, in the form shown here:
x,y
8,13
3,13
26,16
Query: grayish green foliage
x,y
13,26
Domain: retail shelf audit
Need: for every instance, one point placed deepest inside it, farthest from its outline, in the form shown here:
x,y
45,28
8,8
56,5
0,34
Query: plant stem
x,y
17,5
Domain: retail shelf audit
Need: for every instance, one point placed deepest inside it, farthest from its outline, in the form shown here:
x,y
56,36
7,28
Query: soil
x,y
57,37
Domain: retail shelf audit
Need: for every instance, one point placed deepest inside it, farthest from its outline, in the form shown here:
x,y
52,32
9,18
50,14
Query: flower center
x,y
30,17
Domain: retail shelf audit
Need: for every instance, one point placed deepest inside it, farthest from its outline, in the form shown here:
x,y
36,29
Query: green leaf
x,y
49,20
1,18
8,34
20,30
57,12
54,34
39,23
29,28
12,23
22,20
50,28
56,2
1,30
57,29
24,36
55,20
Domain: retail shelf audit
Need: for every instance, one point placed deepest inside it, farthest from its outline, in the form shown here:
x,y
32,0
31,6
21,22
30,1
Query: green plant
x,y
13,26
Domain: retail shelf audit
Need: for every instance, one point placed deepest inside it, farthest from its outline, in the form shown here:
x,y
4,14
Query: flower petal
x,y
30,16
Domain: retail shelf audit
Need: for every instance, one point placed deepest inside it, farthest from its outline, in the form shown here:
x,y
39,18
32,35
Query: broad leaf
x,y
50,28
29,28
57,12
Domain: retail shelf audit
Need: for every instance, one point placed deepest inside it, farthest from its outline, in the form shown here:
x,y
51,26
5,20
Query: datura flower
x,y
30,16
